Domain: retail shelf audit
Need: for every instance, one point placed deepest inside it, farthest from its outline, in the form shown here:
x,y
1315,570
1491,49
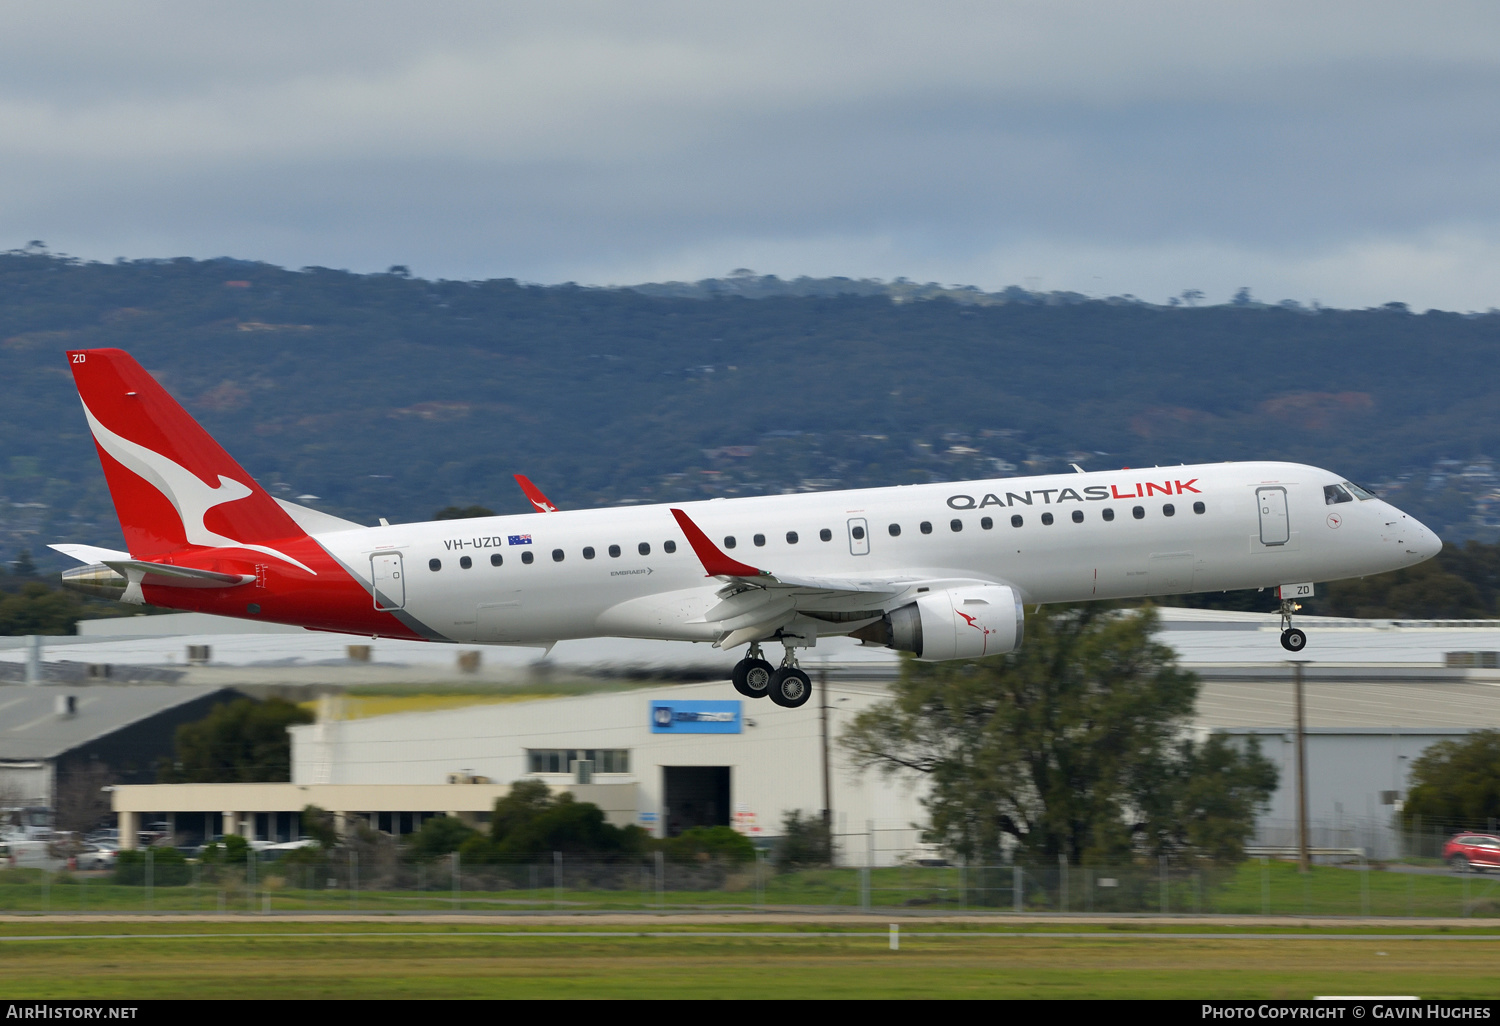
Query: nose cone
x,y
1426,544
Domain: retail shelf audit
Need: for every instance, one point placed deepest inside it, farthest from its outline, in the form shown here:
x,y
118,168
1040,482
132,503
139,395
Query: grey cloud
x,y
558,141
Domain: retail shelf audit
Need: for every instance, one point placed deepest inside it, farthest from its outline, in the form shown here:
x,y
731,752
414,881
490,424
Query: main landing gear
x,y
1292,639
752,674
788,686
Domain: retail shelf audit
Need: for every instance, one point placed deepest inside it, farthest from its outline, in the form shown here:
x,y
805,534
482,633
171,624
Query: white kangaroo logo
x,y
183,489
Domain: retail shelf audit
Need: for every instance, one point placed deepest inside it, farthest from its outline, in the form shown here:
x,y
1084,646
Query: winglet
x,y
714,561
540,501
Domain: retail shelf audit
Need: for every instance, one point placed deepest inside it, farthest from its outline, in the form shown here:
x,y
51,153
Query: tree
x,y
239,742
1206,799
804,842
1457,783
318,823
439,836
1072,746
530,820
81,803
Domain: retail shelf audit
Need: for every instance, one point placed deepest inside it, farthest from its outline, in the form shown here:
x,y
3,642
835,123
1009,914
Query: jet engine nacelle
x,y
955,623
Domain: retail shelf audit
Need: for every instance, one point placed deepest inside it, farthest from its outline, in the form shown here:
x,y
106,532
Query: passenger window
x,y
1168,510
1198,507
985,523
644,548
1333,495
588,552
557,555
527,557
496,559
1016,521
465,562
614,552
1139,512
434,565
1107,513
955,525
729,542
759,539
894,530
669,546
1047,519
1078,516
825,535
925,527
791,537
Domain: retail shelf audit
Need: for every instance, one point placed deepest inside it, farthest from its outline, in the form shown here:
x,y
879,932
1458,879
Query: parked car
x,y
96,856
276,851
1472,851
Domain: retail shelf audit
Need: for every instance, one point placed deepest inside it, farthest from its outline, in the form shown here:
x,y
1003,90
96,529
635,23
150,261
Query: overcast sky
x,y
1341,152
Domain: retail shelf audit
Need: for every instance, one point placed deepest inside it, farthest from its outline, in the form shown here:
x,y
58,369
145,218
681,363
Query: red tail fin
x,y
540,501
172,484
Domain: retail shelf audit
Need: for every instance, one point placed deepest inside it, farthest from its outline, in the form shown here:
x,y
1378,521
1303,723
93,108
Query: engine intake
x,y
955,623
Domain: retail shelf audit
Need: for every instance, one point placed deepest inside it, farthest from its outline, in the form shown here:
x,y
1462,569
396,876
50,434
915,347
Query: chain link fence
x,y
385,879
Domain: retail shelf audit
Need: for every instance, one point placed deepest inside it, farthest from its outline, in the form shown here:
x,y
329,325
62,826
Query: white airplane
x,y
938,570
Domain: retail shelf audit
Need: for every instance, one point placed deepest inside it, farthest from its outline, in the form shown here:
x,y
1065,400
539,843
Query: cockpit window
x,y
1359,493
1333,495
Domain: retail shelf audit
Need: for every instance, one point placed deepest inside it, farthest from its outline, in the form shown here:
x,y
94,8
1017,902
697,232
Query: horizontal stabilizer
x,y
181,576
88,553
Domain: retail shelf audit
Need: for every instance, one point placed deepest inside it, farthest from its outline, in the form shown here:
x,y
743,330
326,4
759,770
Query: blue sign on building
x,y
718,717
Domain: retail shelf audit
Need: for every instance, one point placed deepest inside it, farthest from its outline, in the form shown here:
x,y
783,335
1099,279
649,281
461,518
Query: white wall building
x,y
767,763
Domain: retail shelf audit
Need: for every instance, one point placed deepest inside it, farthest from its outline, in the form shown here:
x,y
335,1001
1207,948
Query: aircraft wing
x,y
757,603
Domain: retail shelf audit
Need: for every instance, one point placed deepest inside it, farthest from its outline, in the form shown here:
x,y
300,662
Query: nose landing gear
x,y
1292,639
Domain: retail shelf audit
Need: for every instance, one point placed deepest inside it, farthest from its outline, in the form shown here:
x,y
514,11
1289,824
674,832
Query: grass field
x,y
374,959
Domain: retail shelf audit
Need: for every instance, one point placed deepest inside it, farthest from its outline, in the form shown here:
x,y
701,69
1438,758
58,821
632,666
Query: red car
x,y
1472,851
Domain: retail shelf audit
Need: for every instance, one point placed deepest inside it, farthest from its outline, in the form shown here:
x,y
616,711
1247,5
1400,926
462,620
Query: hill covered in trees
x,y
385,395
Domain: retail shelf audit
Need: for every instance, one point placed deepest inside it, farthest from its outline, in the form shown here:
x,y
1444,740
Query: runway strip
x,y
752,934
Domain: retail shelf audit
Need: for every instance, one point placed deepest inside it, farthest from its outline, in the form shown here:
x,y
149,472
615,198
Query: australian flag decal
x,y
520,539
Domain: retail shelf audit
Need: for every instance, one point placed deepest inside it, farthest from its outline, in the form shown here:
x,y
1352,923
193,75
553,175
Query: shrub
x,y
169,867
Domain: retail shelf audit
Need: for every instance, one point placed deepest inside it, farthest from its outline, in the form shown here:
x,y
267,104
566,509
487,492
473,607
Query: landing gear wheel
x,y
1292,639
790,688
752,677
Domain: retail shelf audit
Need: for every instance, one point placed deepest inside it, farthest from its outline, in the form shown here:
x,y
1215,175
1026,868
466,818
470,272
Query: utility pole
x,y
827,786
1304,864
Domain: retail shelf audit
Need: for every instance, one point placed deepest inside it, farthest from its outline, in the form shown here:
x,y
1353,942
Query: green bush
x,y
439,836
706,844
804,842
169,867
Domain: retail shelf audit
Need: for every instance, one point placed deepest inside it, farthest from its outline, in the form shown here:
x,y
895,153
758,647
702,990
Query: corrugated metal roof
x,y
1269,702
31,727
